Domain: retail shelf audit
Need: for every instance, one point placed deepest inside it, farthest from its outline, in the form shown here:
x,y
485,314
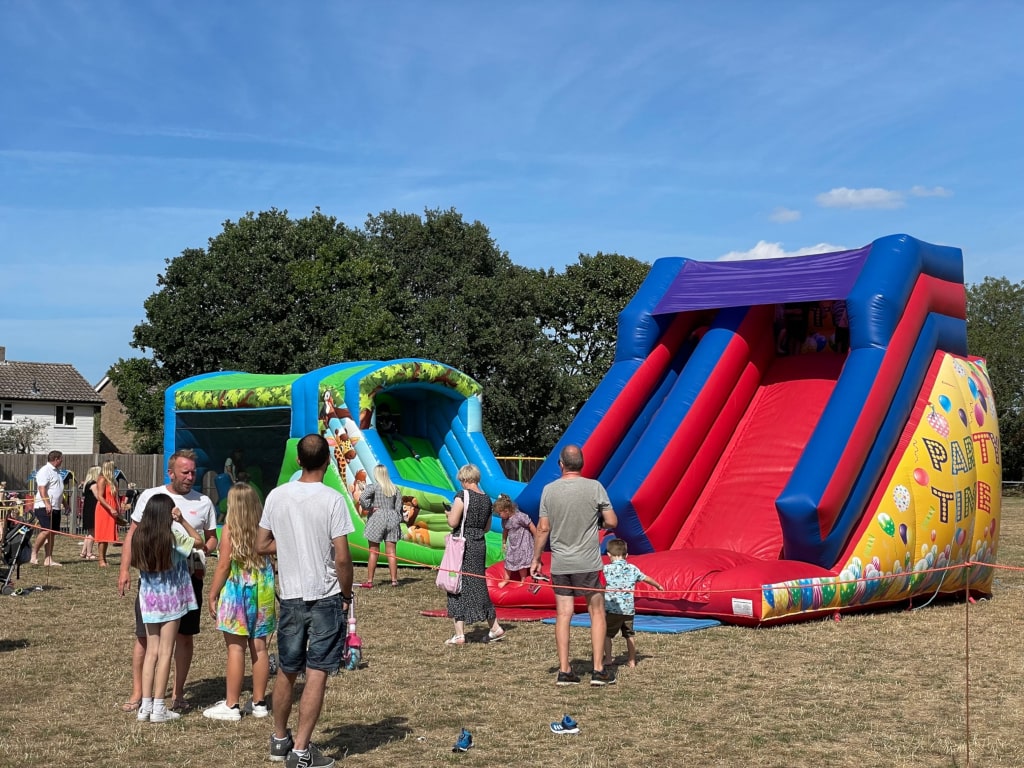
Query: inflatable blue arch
x,y
433,417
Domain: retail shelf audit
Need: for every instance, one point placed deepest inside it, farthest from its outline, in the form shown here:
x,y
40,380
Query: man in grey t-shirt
x,y
573,509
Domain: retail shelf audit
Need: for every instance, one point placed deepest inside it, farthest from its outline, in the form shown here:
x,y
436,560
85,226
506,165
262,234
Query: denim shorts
x,y
311,633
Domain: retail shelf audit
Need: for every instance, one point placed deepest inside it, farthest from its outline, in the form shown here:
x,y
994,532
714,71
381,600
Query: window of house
x,y
6,412
66,415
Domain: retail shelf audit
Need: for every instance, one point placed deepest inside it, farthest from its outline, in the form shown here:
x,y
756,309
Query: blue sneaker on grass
x,y
565,725
465,741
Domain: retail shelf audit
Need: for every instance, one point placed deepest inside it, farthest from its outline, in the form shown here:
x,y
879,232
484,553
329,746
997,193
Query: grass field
x,y
881,689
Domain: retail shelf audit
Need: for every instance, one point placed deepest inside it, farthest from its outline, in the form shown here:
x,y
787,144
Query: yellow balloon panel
x,y
941,507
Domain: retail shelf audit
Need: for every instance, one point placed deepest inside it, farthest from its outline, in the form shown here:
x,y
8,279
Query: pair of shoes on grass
x,y
221,711
153,716
597,678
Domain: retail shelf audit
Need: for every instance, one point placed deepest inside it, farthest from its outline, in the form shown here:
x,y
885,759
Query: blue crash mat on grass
x,y
664,625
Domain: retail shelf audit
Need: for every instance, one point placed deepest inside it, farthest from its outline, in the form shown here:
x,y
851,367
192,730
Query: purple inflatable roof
x,y
714,284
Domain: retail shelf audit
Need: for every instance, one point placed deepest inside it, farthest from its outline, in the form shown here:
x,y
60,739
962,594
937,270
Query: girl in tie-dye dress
x,y
161,545
242,603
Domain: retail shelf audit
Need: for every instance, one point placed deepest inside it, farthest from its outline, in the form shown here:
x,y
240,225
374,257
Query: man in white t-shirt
x,y
49,495
306,524
201,514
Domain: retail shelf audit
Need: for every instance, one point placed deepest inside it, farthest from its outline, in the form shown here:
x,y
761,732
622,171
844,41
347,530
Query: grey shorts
x,y
577,584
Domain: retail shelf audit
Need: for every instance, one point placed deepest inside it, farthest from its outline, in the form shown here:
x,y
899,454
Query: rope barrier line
x,y
667,594
76,536
663,594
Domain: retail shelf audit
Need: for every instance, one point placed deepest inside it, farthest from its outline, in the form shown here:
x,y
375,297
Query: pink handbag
x,y
449,573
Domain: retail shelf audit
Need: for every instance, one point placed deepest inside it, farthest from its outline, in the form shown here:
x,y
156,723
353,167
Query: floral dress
x,y
519,544
473,603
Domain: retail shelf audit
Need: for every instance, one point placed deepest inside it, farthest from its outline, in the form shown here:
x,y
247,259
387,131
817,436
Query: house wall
x,y
115,436
78,438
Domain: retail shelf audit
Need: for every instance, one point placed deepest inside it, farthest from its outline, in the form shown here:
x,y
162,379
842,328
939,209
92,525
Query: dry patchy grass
x,y
875,689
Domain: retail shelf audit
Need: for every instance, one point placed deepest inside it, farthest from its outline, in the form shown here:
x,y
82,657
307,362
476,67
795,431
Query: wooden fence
x,y
144,470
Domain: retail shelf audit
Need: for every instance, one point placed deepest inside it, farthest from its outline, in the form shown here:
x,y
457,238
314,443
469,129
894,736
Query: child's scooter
x,y
353,653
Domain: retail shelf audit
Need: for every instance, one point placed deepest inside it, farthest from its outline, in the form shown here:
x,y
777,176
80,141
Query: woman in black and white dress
x,y
382,501
473,603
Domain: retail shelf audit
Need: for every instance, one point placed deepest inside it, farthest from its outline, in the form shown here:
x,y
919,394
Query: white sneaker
x,y
164,716
256,710
221,711
143,715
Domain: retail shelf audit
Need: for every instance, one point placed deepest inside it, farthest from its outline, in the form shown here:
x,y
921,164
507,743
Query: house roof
x,y
48,382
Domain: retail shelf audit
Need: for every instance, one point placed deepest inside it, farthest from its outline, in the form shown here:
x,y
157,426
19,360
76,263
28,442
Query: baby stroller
x,y
16,549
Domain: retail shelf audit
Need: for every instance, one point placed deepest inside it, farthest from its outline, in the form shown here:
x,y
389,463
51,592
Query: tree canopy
x,y
272,294
995,331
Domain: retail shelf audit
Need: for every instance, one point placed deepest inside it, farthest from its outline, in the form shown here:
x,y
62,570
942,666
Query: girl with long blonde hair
x,y
382,501
242,603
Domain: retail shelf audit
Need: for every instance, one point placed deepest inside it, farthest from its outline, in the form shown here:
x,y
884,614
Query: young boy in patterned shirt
x,y
620,581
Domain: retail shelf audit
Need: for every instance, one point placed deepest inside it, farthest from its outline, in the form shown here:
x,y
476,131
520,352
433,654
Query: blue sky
x,y
131,131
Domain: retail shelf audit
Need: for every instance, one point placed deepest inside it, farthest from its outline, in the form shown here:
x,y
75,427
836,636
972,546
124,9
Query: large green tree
x,y
580,314
270,294
995,331
140,385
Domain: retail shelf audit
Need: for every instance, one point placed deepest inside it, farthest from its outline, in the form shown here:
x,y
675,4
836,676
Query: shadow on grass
x,y
208,691
13,645
356,738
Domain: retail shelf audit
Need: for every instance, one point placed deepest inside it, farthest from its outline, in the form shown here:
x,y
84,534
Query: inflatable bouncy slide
x,y
420,419
792,437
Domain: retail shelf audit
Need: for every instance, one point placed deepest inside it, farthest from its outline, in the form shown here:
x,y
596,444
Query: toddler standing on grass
x,y
242,603
621,578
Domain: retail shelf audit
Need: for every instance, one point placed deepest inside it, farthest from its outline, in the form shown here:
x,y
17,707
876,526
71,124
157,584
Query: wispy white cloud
x,y
784,215
869,197
766,250
875,197
919,191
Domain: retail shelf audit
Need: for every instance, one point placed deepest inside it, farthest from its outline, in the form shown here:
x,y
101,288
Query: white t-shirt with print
x,y
196,508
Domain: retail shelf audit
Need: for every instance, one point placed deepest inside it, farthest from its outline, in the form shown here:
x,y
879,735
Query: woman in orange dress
x,y
108,511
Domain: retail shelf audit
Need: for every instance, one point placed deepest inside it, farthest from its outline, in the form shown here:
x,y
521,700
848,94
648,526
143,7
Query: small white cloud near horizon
x,y
869,197
919,191
766,250
784,215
